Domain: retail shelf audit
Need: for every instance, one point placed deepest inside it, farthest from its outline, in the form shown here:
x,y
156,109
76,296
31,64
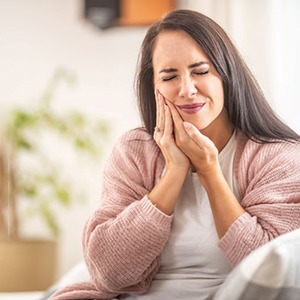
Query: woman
x,y
212,176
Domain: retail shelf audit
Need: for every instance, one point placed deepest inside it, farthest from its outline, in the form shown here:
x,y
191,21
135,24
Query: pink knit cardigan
x,y
124,238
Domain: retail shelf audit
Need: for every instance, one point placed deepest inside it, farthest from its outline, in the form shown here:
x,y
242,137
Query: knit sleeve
x,y
125,236
269,180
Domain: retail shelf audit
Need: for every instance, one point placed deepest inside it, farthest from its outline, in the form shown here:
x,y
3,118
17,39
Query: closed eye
x,y
202,72
168,78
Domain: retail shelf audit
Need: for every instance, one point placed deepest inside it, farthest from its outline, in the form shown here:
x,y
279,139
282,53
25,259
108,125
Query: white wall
x,y
37,37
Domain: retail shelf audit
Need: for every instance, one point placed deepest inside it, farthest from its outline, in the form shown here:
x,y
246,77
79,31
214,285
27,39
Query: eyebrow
x,y
171,70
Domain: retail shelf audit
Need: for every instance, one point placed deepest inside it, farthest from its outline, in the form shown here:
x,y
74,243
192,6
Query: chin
x,y
199,125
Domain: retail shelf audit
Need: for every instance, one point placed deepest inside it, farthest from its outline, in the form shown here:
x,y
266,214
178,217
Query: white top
x,y
192,265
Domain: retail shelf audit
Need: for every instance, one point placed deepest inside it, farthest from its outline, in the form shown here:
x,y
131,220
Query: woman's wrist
x,y
177,169
209,175
166,191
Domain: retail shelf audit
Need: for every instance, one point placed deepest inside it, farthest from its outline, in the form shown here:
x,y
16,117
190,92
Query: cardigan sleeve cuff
x,y
228,242
153,213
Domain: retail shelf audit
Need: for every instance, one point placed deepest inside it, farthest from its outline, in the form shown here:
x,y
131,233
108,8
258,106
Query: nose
x,y
187,88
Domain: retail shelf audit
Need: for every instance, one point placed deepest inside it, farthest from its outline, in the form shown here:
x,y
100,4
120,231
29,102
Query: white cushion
x,y
270,272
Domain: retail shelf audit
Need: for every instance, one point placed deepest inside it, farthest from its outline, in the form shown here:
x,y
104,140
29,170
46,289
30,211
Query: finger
x,y
200,139
168,130
175,114
177,119
157,108
160,117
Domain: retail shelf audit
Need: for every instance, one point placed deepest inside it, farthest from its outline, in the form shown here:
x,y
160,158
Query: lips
x,y
191,108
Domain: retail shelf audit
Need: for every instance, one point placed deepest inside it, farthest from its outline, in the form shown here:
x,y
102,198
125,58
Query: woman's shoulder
x,y
137,142
267,150
253,158
138,134
263,163
137,150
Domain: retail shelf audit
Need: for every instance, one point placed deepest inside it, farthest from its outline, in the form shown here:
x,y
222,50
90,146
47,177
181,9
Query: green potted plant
x,y
28,177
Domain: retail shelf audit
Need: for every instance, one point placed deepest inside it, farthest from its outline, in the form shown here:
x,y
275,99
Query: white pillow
x,y
270,272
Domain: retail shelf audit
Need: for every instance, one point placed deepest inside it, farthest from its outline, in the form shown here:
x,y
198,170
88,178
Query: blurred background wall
x,y
38,37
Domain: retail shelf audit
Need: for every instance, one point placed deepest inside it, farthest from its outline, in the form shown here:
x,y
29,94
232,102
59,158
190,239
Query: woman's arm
x,y
269,180
224,204
203,155
164,194
124,238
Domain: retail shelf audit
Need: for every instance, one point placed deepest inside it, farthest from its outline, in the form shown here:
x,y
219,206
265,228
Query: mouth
x,y
191,108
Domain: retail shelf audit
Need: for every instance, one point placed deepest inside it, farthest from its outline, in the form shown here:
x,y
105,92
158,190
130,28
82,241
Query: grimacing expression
x,y
184,75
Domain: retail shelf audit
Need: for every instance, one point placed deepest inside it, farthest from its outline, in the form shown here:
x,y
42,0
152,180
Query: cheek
x,y
220,95
167,90
218,84
215,90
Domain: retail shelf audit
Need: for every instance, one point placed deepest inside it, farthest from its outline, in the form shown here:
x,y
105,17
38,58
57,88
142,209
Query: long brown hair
x,y
247,107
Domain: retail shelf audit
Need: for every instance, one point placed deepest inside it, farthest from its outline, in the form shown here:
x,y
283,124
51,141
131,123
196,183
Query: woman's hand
x,y
200,150
203,155
164,137
165,193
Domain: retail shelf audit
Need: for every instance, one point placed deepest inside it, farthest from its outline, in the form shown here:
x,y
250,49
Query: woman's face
x,y
184,75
